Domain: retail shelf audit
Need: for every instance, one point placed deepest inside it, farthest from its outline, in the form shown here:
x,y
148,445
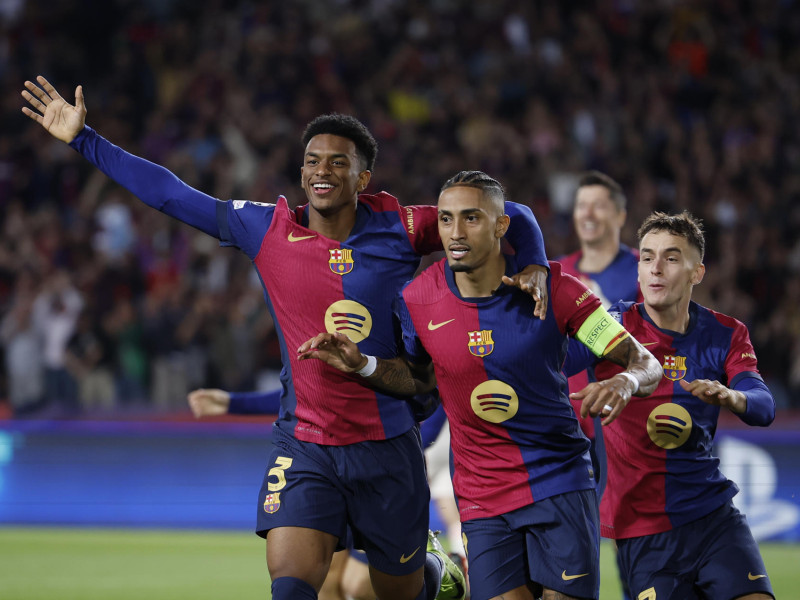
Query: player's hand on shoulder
x,y
62,120
713,392
532,280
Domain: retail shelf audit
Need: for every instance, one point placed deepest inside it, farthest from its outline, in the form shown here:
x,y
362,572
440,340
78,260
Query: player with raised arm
x,y
343,454
667,504
522,473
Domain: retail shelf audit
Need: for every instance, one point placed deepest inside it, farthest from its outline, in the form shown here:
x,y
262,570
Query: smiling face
x,y
669,267
332,174
596,217
470,225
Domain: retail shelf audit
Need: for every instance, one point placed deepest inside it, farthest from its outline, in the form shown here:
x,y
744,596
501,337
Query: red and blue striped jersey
x,y
619,281
314,284
661,472
514,436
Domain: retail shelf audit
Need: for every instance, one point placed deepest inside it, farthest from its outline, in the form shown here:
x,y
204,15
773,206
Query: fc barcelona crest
x,y
272,502
674,367
481,343
341,261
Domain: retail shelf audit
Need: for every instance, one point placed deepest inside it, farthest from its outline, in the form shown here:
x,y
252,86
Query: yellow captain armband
x,y
601,332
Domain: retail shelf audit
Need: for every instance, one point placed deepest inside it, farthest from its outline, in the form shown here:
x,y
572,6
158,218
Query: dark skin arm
x,y
393,375
532,280
616,392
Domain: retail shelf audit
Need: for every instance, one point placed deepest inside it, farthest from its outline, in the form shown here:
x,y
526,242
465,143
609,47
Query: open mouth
x,y
322,188
458,252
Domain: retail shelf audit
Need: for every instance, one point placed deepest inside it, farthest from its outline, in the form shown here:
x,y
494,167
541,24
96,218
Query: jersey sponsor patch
x,y
669,425
272,502
674,367
350,318
480,343
494,401
341,261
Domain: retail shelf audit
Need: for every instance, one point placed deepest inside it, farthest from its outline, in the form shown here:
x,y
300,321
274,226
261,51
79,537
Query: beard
x,y
459,267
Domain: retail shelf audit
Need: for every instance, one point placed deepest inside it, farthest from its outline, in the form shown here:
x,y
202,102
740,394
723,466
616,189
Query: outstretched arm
x,y
152,184
393,375
749,398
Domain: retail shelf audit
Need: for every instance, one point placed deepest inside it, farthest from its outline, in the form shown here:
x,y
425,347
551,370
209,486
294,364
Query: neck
x,y
336,226
597,256
673,318
482,281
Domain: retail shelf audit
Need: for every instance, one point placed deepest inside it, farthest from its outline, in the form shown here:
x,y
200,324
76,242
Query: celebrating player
x,y
343,455
522,473
666,502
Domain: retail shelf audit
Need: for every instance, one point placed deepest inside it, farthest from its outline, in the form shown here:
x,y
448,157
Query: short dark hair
x,y
683,225
347,127
614,189
478,179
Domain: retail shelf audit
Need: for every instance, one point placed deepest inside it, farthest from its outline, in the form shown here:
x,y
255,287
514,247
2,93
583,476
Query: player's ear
x,y
363,180
501,225
699,273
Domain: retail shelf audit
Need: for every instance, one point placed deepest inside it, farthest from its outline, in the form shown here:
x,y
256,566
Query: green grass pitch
x,y
124,564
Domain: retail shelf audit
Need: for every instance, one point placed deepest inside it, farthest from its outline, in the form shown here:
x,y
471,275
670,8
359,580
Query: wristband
x,y
369,368
629,376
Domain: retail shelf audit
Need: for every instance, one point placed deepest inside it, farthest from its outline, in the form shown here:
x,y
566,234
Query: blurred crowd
x,y
107,305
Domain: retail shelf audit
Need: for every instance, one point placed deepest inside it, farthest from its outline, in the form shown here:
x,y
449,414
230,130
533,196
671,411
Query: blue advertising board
x,y
197,475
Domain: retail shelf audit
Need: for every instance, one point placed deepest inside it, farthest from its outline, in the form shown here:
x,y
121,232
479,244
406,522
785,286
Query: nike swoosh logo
x,y
404,559
752,577
432,327
299,238
649,343
566,577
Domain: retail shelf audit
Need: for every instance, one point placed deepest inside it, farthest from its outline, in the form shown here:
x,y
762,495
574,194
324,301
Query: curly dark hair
x,y
347,127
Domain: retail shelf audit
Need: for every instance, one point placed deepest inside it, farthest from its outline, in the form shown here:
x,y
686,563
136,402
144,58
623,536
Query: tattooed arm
x,y
396,376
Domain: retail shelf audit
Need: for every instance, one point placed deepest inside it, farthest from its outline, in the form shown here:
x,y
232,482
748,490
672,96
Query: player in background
x,y
334,264
667,504
604,264
608,268
522,472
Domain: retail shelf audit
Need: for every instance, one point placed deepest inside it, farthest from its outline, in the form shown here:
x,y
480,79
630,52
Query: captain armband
x,y
601,332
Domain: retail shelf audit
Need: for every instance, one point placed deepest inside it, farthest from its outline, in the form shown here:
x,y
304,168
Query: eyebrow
x,y
337,155
670,249
466,211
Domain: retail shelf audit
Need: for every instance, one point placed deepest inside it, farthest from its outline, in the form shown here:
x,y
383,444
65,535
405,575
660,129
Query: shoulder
x,y
628,253
570,261
380,202
428,286
708,316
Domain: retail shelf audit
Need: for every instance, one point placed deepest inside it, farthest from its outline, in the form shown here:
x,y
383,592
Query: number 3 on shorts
x,y
281,464
648,594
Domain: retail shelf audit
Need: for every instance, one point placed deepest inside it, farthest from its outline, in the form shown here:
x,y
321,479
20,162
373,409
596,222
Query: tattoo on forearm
x,y
394,376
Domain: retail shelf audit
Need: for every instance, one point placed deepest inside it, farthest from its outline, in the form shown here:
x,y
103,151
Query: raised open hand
x,y
61,119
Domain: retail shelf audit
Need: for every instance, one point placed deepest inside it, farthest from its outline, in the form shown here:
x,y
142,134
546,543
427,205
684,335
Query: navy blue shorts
x,y
377,488
554,543
713,557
